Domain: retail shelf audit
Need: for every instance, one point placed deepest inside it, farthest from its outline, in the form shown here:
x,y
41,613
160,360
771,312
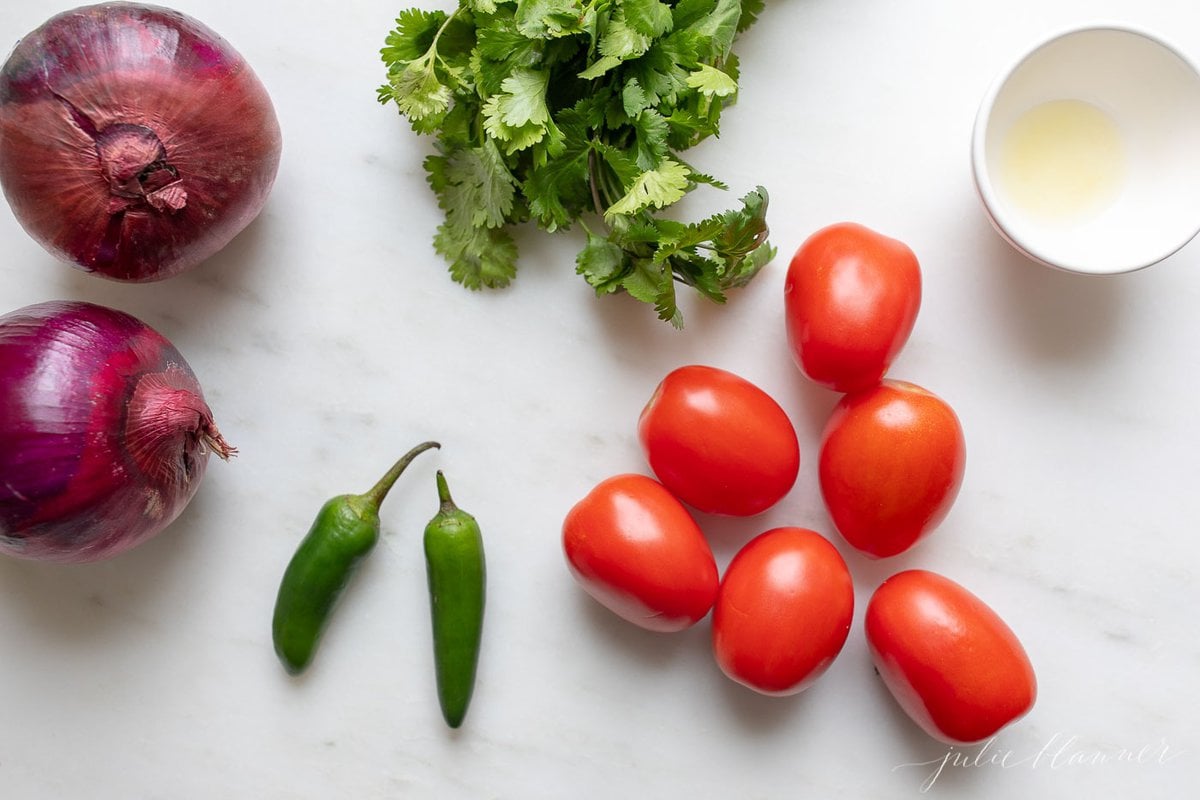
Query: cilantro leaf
x,y
743,242
701,273
650,130
412,36
504,43
700,177
624,166
657,187
417,91
549,18
477,188
603,264
558,190
717,28
711,81
524,98
644,279
633,99
687,12
745,228
518,116
478,257
420,77
663,70
647,17
599,67
750,11
622,41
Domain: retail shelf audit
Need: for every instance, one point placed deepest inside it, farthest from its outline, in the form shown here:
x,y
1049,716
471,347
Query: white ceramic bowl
x,y
1127,190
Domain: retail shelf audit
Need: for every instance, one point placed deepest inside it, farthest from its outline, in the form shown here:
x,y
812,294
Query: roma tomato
x,y
851,298
891,464
638,551
948,659
783,611
718,442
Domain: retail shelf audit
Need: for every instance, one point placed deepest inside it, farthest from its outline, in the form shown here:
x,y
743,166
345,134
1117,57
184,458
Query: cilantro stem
x,y
600,180
603,179
433,45
593,183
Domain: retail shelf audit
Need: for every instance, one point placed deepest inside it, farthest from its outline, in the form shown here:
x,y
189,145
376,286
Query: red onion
x,y
134,141
104,432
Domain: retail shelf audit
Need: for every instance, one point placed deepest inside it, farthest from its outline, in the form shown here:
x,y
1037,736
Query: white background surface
x,y
329,339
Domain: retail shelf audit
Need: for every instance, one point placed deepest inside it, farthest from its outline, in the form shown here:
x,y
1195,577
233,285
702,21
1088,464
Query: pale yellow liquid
x,y
1063,161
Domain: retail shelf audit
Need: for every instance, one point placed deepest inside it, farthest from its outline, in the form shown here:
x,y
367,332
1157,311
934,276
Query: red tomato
x,y
718,442
949,660
636,549
783,611
851,298
892,460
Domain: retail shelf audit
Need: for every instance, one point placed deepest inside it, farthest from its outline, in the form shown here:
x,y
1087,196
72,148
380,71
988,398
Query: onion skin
x,y
134,141
104,432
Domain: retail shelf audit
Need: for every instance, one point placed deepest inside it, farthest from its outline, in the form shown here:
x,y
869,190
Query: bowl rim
x,y
983,179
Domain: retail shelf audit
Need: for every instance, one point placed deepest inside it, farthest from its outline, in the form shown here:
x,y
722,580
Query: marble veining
x,y
329,340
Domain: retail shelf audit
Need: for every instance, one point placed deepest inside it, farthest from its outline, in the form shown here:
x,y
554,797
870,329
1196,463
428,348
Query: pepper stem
x,y
380,490
448,506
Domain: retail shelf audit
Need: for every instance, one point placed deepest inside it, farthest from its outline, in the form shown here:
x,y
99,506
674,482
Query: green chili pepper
x,y
457,584
344,532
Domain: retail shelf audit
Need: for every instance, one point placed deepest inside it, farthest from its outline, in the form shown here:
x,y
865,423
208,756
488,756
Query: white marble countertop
x,y
329,339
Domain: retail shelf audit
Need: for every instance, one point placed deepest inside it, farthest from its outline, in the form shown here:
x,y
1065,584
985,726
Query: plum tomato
x,y
948,659
718,442
891,464
851,298
637,550
783,611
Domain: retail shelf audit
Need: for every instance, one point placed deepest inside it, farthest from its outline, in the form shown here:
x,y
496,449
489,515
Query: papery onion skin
x,y
104,432
134,141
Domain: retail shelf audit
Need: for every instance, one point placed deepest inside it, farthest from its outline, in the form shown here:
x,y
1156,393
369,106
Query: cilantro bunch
x,y
564,111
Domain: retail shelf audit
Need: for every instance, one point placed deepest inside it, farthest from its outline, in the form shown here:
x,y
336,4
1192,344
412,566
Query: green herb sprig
x,y
557,110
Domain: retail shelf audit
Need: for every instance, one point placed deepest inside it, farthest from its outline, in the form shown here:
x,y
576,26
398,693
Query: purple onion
x,y
104,432
134,141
